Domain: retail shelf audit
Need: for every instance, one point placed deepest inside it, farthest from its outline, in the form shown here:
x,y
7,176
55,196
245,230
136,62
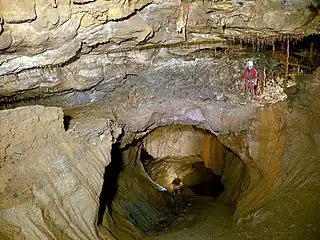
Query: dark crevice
x,y
209,184
66,122
18,97
110,184
144,156
213,187
131,14
82,3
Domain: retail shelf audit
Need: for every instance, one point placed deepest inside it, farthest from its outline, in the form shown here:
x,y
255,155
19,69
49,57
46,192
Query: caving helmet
x,y
250,65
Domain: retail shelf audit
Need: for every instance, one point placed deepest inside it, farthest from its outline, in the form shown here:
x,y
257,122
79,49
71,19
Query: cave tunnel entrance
x,y
140,184
188,153
202,181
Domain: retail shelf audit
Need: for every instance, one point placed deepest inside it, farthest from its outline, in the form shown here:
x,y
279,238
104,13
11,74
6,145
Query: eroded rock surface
x,y
50,179
130,54
60,46
174,141
264,138
276,172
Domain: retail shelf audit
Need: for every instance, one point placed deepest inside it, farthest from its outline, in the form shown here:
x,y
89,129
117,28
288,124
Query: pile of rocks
x,y
274,90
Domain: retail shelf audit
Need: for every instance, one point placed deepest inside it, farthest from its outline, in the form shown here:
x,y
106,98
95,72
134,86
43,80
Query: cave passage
x,y
188,153
208,183
202,181
165,174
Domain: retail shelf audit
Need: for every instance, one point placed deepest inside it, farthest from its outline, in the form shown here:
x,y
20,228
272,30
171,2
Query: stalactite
x,y
287,63
287,57
263,80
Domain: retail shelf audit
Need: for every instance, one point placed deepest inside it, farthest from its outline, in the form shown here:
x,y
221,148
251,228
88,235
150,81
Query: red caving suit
x,y
250,77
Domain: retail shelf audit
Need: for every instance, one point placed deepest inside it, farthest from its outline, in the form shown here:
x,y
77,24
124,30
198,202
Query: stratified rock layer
x,y
61,45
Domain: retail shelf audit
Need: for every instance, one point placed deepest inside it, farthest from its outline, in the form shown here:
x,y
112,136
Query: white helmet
x,y
250,64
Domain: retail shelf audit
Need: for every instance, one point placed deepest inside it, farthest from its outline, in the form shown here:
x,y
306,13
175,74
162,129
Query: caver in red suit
x,y
250,80
250,76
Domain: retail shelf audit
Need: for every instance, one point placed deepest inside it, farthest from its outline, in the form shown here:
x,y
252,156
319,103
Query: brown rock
x,y
31,184
176,140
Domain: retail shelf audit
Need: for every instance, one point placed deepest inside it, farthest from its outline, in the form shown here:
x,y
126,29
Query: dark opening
x,y
66,122
200,180
145,156
210,184
110,183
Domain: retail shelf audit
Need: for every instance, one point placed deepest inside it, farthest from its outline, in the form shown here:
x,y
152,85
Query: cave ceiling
x,y
63,45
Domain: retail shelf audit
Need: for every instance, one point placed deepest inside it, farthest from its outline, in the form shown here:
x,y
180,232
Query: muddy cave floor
x,y
200,217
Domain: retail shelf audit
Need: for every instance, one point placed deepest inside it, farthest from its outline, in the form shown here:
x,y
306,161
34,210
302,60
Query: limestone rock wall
x,y
51,179
235,179
292,196
136,209
55,182
282,146
175,140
